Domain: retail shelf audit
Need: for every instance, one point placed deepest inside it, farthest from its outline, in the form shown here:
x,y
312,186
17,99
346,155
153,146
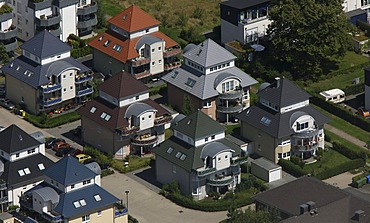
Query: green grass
x,y
230,129
330,159
346,126
352,59
47,122
340,140
134,163
111,7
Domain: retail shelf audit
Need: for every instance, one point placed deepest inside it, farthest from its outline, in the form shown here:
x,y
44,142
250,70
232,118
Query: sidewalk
x,y
346,136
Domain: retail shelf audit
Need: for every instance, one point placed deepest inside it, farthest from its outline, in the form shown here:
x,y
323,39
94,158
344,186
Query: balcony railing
x,y
170,53
239,161
118,213
85,92
48,20
51,88
51,218
88,9
83,79
144,140
140,61
4,200
11,46
205,172
231,95
305,148
130,130
2,184
93,21
306,134
172,66
162,120
220,182
51,102
228,110
55,32
10,33
5,16
249,21
142,74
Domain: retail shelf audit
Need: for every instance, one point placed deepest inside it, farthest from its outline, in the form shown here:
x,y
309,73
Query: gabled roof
x,y
133,19
13,139
44,44
69,171
35,74
198,125
128,50
16,175
282,92
242,4
66,206
122,85
279,125
204,86
209,53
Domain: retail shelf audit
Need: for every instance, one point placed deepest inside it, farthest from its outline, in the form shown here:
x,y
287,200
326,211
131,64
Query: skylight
x,y
103,115
107,117
41,166
27,171
93,109
76,204
97,197
169,150
182,157
107,43
117,47
174,74
178,154
21,173
190,82
266,121
28,73
101,38
83,202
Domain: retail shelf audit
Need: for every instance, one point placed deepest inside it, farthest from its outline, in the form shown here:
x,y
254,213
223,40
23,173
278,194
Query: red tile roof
x,y
122,85
133,19
128,50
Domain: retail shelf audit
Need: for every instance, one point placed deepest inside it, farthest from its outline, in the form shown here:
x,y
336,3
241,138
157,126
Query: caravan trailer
x,y
334,95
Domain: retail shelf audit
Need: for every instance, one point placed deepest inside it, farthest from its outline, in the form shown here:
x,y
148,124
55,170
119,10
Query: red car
x,y
59,145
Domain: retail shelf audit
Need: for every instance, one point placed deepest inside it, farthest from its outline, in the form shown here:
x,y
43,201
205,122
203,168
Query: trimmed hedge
x,y
364,27
43,121
350,153
359,183
354,89
81,52
292,168
341,168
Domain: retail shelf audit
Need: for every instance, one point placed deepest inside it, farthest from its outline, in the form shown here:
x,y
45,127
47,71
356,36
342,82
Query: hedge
x,y
359,183
350,153
341,168
364,27
43,121
354,89
81,52
292,168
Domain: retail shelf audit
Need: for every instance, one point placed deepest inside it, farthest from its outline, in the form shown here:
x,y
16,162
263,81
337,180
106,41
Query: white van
x,y
334,95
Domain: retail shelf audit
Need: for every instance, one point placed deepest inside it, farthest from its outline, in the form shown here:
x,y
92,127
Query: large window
x,y
85,218
301,126
228,86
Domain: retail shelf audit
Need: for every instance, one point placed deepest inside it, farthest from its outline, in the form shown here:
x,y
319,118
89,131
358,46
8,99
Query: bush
x,y
354,89
327,138
364,27
297,161
132,219
106,172
359,183
292,168
157,89
341,168
349,152
81,52
45,121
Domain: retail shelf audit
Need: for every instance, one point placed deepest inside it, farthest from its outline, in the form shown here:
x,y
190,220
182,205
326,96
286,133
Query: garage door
x,y
275,175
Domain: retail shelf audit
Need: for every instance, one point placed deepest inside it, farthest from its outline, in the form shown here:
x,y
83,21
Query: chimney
x,y
303,208
311,205
359,215
277,79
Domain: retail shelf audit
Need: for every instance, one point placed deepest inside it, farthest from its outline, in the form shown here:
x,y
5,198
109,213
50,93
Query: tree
x,y
249,216
102,22
3,54
187,106
311,35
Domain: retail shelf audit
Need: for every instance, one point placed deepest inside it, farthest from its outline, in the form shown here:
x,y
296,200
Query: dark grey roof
x,y
189,47
178,118
263,86
265,164
213,148
94,166
137,109
204,84
279,126
147,39
209,53
198,125
13,139
242,4
66,206
44,44
35,74
283,92
69,171
223,76
48,194
192,154
13,177
39,136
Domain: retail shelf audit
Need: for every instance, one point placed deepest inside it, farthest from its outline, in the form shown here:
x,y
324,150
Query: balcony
x,y
221,181
51,88
239,161
142,74
310,133
130,130
5,16
52,218
83,79
230,95
55,32
171,66
120,212
46,21
93,21
140,61
51,102
88,9
162,120
39,5
171,52
205,172
250,21
84,92
4,200
9,33
144,140
230,110
305,148
10,46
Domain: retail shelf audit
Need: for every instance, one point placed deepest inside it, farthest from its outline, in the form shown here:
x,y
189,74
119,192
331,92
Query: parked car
x,y
76,152
65,151
6,103
363,112
82,157
59,145
51,141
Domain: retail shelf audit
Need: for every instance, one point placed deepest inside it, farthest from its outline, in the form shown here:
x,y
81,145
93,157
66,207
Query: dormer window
x,y
301,126
228,86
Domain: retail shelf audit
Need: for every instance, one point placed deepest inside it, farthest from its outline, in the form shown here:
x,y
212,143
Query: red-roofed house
x,y
133,43
123,120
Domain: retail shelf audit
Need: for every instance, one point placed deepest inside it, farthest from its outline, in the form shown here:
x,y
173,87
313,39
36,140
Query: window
x,y
64,76
86,218
31,151
153,50
159,48
213,137
72,186
207,104
64,89
206,139
280,155
147,30
150,116
56,184
99,213
70,74
219,159
97,197
17,155
169,150
226,156
228,86
153,63
86,182
142,119
137,97
159,61
71,88
178,154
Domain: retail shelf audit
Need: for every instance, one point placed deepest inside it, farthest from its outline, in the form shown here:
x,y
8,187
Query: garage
x,y
266,170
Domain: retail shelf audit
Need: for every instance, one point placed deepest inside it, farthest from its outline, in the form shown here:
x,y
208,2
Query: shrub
x,y
350,153
327,138
106,172
359,183
5,9
132,219
341,168
81,52
45,121
297,161
364,27
291,168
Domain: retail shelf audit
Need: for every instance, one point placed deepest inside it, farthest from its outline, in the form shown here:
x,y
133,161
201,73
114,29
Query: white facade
x,y
14,194
68,84
68,21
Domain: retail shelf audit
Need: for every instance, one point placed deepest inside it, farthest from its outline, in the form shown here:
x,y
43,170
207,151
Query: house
x,y
8,31
21,164
133,43
244,21
211,80
199,157
59,17
71,192
123,120
282,123
325,203
45,77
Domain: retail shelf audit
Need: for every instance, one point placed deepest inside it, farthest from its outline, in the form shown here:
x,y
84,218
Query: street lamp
x,y
127,198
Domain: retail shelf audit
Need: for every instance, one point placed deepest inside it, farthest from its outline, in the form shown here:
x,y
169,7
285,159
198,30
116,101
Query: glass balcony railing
x,y
83,79
51,88
230,109
85,92
206,172
51,102
120,212
220,182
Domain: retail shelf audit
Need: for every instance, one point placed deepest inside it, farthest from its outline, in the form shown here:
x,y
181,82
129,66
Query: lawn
x,y
235,128
336,138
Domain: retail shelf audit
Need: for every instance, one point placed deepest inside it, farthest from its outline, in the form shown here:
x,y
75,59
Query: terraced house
x,y
199,157
133,43
45,77
8,31
60,17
